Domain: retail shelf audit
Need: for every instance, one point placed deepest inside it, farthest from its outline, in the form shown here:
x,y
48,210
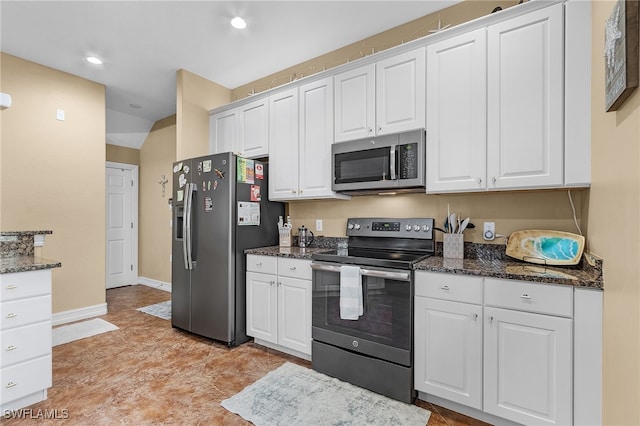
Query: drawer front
x,y
264,264
457,288
294,268
25,284
25,378
24,343
25,311
531,297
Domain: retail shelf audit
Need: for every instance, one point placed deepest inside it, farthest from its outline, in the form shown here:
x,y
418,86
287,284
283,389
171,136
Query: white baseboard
x,y
155,283
79,314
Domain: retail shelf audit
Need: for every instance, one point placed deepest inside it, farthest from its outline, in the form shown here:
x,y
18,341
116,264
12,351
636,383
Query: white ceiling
x,y
144,43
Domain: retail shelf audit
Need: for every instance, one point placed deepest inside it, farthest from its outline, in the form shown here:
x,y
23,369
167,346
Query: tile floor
x,y
149,373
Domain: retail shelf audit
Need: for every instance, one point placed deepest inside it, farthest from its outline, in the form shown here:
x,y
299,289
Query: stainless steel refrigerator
x,y
220,208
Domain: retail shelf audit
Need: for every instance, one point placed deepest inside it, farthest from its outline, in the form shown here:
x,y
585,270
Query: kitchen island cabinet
x,y
25,321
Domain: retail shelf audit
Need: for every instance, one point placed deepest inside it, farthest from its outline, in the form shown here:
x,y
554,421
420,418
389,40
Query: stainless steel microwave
x,y
389,163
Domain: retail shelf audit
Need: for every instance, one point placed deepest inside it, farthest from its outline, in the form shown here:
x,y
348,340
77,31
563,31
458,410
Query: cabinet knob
x,y
379,128
293,268
272,282
475,317
370,130
525,296
293,191
11,348
11,384
279,283
445,287
12,287
493,179
11,315
479,181
259,264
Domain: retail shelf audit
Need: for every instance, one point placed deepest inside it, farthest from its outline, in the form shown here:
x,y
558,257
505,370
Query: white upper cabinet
x,y
243,130
381,98
316,137
525,101
253,132
457,113
283,150
223,128
355,103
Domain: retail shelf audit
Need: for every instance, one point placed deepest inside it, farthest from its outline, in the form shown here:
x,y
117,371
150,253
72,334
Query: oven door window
x,y
363,166
387,312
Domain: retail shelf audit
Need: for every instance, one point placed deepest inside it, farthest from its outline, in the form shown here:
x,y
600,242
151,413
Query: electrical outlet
x,y
489,233
318,225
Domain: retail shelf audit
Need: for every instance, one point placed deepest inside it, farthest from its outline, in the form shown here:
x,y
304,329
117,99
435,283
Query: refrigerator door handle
x,y
188,221
185,229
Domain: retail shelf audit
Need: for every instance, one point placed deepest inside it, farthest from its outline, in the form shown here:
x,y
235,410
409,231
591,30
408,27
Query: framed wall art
x,y
621,53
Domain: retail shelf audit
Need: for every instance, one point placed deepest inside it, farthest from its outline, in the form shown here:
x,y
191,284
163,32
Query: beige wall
x,y
614,234
156,159
511,211
122,154
53,174
195,97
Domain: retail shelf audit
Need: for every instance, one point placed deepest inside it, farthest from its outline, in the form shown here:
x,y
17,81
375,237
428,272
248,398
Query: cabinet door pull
x,y
279,283
525,296
11,348
11,315
259,264
474,317
272,282
490,319
292,268
11,384
479,181
12,287
445,287
494,180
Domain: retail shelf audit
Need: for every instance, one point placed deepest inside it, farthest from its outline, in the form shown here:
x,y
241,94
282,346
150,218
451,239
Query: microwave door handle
x,y
392,159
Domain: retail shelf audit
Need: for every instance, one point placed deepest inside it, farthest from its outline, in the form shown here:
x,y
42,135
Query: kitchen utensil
x,y
453,223
463,226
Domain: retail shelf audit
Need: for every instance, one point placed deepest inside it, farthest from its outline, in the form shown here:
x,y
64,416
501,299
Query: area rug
x,y
80,330
160,310
295,395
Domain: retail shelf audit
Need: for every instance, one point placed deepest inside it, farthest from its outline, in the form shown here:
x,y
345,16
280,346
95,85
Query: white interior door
x,y
121,262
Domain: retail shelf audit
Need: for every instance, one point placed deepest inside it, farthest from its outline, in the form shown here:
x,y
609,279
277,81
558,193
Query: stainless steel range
x,y
363,304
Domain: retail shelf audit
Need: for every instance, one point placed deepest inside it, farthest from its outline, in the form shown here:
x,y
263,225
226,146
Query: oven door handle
x,y
402,276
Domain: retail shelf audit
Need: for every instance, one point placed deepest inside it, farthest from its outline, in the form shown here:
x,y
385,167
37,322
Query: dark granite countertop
x,y
291,252
19,233
13,264
512,269
484,260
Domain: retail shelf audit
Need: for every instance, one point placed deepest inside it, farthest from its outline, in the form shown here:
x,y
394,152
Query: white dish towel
x,y
351,307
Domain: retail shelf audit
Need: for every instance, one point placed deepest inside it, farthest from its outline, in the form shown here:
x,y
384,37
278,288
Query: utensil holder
x,y
285,236
453,246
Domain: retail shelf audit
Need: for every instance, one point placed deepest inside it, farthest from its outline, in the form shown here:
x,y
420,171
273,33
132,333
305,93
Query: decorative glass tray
x,y
546,247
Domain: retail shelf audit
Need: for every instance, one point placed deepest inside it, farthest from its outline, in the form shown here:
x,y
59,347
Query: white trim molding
x,y
161,285
79,314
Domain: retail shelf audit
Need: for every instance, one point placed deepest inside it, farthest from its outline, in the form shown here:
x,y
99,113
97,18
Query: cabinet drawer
x,y
264,264
25,284
295,268
531,297
25,311
458,288
24,343
25,378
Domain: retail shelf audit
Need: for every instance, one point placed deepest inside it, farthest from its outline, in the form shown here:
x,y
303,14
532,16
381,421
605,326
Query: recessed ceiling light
x,y
94,60
238,23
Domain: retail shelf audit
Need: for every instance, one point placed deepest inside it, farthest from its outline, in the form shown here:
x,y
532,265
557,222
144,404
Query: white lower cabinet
x,y
25,338
279,303
448,339
501,347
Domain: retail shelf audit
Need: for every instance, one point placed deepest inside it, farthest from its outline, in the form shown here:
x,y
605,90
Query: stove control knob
x,y
350,225
356,226
407,228
416,228
425,228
